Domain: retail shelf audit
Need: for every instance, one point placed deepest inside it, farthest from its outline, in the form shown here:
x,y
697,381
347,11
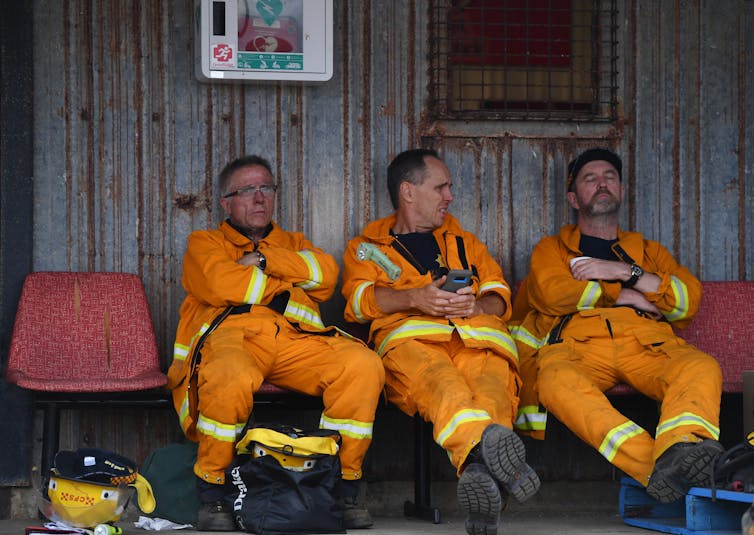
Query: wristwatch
x,y
262,261
636,273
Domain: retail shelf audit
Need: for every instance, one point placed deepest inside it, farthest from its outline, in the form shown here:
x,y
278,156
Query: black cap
x,y
96,465
591,155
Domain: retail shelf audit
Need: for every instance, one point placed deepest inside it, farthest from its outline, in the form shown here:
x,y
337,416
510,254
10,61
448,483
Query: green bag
x,y
170,471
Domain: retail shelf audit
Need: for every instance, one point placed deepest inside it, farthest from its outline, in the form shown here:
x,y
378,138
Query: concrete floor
x,y
514,524
568,509
558,508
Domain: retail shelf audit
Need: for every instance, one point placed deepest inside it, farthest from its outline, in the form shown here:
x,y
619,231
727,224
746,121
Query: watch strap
x,y
636,273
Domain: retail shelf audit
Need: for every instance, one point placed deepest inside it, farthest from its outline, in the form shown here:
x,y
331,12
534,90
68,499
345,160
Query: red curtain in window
x,y
511,33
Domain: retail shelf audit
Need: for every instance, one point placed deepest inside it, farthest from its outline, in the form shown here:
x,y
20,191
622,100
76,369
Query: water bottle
x,y
107,529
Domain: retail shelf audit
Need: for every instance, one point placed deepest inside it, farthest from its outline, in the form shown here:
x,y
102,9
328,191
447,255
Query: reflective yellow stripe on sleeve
x,y
589,296
356,301
180,351
492,285
681,293
315,271
256,287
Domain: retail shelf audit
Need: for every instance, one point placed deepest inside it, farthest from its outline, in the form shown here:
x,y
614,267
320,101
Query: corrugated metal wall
x,y
128,143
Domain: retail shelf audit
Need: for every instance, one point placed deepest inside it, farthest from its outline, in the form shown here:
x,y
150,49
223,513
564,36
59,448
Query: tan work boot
x,y
215,516
355,513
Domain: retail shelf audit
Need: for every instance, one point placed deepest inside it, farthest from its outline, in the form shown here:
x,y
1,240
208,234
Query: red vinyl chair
x,y
83,338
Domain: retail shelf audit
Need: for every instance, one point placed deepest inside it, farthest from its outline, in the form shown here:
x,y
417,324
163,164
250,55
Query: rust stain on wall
x,y
365,118
188,202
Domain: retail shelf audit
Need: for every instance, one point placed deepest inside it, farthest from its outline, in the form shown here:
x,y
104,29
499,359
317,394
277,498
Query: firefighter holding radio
x,y
447,352
251,315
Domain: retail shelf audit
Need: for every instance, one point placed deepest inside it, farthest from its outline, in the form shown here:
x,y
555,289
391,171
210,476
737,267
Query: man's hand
x,y
462,303
249,259
596,269
609,270
433,301
631,297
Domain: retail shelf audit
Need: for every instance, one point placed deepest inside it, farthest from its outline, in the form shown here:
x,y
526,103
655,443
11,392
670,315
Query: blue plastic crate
x,y
698,514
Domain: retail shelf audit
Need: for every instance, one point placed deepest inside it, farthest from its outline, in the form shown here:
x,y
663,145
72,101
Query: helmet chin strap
x,y
144,494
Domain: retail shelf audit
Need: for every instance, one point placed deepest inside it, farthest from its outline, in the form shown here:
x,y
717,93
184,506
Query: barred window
x,y
524,59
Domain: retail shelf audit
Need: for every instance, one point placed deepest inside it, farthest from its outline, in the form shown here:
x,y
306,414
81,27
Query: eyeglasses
x,y
267,190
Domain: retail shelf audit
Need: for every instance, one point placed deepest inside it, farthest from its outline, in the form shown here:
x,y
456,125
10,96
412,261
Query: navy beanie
x,y
591,155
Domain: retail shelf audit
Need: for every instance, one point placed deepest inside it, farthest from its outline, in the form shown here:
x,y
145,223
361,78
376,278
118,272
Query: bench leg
x,y
420,507
50,437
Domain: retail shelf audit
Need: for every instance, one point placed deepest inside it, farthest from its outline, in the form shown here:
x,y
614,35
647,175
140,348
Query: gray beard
x,y
603,207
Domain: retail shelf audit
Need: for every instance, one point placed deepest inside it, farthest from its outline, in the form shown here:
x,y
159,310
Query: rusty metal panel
x,y
745,148
128,145
688,148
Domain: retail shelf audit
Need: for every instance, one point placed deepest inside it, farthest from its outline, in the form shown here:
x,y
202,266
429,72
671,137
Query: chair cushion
x,y
722,328
84,332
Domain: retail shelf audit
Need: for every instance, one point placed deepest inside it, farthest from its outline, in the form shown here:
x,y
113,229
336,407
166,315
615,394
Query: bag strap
x,y
731,460
196,356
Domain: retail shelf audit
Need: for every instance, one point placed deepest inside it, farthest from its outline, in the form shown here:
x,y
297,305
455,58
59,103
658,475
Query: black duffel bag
x,y
285,480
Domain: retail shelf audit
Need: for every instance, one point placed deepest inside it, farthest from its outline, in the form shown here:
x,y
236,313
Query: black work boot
x,y
480,499
682,466
215,513
215,516
504,454
355,513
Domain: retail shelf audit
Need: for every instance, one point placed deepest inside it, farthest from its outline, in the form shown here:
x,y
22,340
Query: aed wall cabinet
x,y
247,40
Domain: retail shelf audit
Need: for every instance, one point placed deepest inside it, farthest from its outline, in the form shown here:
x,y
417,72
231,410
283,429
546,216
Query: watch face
x,y
636,271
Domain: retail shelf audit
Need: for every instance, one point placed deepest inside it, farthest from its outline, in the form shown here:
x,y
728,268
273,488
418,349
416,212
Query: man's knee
x,y
367,366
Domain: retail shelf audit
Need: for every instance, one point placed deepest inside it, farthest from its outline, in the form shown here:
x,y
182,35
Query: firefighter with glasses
x,y
251,315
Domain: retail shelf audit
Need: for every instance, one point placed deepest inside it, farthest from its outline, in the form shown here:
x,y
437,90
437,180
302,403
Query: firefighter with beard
x,y
598,308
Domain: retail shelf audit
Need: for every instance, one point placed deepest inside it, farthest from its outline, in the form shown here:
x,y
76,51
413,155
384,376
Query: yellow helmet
x,y
91,486
286,458
293,449
84,504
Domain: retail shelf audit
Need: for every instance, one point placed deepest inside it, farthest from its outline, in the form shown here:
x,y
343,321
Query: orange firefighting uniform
x,y
574,344
283,341
459,374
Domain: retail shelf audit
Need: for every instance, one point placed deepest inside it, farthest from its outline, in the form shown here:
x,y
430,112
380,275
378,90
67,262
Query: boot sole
x,y
694,469
479,497
699,463
505,456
